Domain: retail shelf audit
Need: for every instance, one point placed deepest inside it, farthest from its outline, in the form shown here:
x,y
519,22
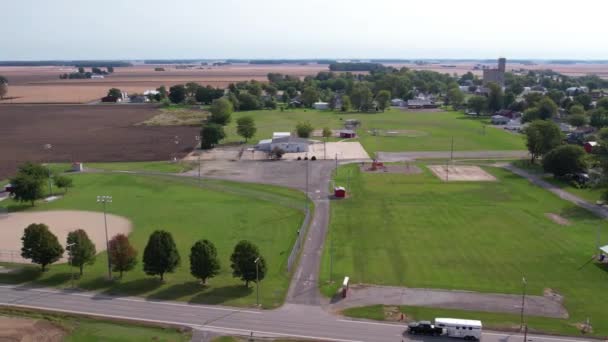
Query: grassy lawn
x,y
82,329
491,321
222,212
426,131
149,166
177,115
417,231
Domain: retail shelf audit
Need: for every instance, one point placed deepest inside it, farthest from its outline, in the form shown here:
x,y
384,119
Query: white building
x,y
97,77
290,144
320,105
276,135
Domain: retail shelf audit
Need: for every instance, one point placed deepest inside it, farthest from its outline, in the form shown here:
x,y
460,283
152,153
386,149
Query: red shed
x,y
340,192
347,133
589,145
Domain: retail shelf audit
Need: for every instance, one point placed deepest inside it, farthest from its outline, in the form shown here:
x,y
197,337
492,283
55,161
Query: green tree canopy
x,y
577,110
477,103
123,257
455,97
346,104
541,137
27,188
565,160
40,245
383,99
495,98
63,182
577,120
361,97
82,252
221,110
115,92
310,95
304,129
204,263
177,93
546,108
211,135
248,101
242,262
160,255
245,127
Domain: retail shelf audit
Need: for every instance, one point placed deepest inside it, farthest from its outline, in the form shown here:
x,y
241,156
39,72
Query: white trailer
x,y
462,328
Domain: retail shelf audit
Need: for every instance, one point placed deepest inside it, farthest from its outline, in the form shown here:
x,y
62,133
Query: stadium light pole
x,y
48,147
71,262
104,200
523,301
257,281
198,139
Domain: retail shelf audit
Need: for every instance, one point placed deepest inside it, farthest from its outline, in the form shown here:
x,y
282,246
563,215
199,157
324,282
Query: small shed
x,y
320,105
348,134
589,145
77,167
339,192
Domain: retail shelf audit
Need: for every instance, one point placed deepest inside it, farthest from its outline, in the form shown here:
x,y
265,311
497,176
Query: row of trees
x,y
212,130
190,93
160,256
28,185
82,74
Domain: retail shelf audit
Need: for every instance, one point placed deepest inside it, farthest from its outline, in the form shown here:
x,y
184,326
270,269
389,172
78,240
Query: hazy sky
x,y
134,29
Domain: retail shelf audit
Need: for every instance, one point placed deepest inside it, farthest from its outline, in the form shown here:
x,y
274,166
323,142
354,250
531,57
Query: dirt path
x,y
447,299
26,330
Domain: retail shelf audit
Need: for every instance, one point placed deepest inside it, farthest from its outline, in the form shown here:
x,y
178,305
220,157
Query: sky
x,y
219,29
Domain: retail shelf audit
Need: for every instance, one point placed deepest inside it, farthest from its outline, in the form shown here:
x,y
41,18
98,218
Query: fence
x,y
7,255
293,256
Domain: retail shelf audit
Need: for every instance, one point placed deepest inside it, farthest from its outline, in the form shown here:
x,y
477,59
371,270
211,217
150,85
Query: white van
x,y
462,328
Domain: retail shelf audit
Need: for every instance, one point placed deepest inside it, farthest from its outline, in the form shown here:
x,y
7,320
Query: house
x,y
97,77
110,99
573,91
290,144
295,104
589,145
347,134
150,92
565,128
500,120
320,105
511,114
398,103
421,103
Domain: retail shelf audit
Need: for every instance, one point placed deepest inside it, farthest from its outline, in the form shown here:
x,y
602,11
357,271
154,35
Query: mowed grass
x,y
491,320
221,212
81,329
147,166
417,231
432,131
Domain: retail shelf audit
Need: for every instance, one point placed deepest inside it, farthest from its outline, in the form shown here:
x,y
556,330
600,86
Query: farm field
x,y
221,212
80,329
42,84
86,133
417,131
418,231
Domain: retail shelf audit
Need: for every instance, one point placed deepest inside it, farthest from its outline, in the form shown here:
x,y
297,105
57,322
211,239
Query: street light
x,y
198,139
104,200
48,147
523,301
257,281
71,262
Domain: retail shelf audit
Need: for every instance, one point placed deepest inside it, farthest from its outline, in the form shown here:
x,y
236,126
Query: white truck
x,y
451,327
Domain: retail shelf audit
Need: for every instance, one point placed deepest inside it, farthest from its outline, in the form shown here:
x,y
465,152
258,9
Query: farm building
x,y
339,192
263,145
347,133
287,143
320,105
500,120
589,145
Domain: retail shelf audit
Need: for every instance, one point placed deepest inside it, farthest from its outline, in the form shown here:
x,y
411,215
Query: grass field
x,y
222,212
427,131
491,321
151,166
80,329
417,231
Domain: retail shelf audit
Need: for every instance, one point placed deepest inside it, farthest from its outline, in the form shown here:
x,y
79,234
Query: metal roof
x,y
604,249
457,321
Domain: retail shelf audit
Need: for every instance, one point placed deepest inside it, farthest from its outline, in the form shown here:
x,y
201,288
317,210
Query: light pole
x,y
257,281
523,301
104,200
48,147
198,139
71,261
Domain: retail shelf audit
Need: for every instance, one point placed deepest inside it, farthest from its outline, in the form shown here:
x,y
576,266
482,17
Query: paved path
x,y
563,194
407,156
294,320
466,300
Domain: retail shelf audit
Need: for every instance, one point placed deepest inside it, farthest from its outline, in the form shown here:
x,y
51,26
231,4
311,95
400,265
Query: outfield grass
x,y
149,166
417,231
434,131
82,329
222,212
491,321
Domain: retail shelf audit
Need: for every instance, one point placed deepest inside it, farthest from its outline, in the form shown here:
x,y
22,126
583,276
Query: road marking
x,y
137,300
373,323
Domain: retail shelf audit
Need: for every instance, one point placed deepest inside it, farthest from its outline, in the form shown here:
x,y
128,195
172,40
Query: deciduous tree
x,y
243,262
304,129
40,245
177,93
63,182
245,127
383,99
82,250
541,137
115,92
204,263
565,160
160,255
221,109
123,257
211,135
478,104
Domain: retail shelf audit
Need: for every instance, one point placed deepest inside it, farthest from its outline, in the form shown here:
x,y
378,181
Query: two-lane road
x,y
295,320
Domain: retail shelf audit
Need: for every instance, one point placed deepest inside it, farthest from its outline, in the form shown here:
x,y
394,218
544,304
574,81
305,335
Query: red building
x,y
339,192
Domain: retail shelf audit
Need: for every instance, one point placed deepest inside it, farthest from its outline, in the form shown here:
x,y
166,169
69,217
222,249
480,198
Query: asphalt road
x,y
294,320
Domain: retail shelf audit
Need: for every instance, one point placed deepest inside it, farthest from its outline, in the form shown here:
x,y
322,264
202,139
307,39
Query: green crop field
x,y
417,131
221,212
417,231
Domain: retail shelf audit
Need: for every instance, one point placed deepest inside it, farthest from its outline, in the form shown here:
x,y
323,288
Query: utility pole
x,y
336,164
69,247
257,281
523,301
331,256
104,200
306,195
198,139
